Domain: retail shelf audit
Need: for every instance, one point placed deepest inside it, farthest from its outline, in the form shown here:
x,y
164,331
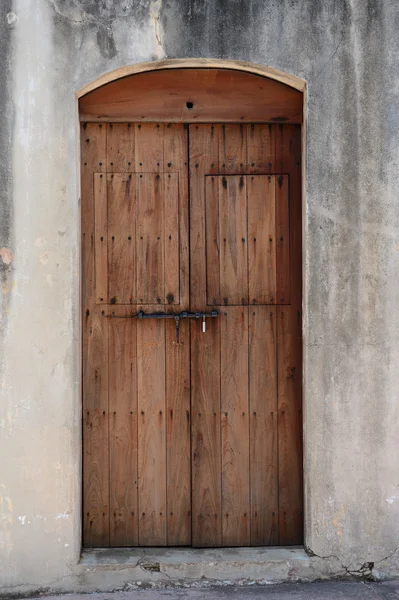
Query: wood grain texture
x,y
263,425
96,439
204,159
123,432
163,95
171,239
261,148
178,436
149,150
283,266
101,237
120,148
151,432
150,232
288,159
206,443
246,391
212,240
121,238
233,240
261,239
233,148
176,164
194,63
236,514
95,352
289,361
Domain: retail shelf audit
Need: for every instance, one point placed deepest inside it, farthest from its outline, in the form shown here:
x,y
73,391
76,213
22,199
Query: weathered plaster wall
x,y
348,52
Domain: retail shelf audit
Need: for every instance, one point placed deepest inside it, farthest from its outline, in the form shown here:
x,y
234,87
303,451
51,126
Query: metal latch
x,y
176,316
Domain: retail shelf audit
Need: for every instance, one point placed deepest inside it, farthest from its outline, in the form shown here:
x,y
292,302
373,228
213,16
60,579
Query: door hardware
x,y
176,316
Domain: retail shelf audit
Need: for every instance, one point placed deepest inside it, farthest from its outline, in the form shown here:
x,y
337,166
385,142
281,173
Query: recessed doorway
x,y
192,291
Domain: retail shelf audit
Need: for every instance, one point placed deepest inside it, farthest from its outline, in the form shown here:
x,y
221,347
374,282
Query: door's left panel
x,y
136,384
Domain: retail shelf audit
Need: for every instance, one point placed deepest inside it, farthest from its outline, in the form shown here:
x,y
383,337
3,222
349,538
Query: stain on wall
x,y
7,23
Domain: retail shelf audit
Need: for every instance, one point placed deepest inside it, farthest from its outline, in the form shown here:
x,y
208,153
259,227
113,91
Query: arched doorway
x,y
192,291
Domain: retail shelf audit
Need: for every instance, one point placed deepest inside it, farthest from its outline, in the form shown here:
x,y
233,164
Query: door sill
x,y
109,569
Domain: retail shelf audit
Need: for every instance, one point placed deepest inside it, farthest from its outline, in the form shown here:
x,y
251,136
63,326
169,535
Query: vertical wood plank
x,y
171,238
236,516
233,240
206,447
149,148
289,362
95,355
233,148
123,432
261,239
120,148
93,159
283,240
151,432
121,236
178,424
288,158
261,148
204,159
263,425
212,240
150,231
176,161
96,451
101,241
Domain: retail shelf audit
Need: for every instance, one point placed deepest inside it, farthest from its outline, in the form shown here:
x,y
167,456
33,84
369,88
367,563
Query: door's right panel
x,y
245,260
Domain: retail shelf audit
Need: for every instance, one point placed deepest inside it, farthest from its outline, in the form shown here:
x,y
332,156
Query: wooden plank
x,y
204,159
261,239
93,159
94,330
263,425
233,240
163,95
96,451
171,238
212,240
283,276
206,446
149,147
120,148
289,362
150,233
121,237
178,425
261,148
233,148
288,158
101,245
151,432
176,161
236,516
123,432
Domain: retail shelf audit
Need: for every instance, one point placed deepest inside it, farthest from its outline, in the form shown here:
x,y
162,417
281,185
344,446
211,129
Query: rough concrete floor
x,y
297,591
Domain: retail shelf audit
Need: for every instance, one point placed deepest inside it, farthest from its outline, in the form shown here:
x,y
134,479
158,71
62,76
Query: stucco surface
x,y
348,53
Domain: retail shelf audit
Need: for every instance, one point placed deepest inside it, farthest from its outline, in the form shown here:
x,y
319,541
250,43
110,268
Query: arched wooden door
x,y
192,333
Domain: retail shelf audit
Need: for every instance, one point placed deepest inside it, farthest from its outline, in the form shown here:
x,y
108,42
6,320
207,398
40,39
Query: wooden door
x,y
136,379
194,440
245,258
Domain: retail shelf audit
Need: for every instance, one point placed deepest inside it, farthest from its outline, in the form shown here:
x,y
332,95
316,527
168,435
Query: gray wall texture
x,y
348,53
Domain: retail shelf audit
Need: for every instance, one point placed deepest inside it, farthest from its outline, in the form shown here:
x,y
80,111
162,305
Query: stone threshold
x,y
132,568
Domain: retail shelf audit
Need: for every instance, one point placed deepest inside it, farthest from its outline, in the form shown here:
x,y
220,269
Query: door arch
x,y
201,163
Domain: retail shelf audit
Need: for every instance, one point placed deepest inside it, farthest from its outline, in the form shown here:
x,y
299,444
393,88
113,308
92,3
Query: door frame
x,y
177,64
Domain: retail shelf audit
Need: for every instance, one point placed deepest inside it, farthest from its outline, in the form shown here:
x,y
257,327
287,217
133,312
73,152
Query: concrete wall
x,y
348,52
